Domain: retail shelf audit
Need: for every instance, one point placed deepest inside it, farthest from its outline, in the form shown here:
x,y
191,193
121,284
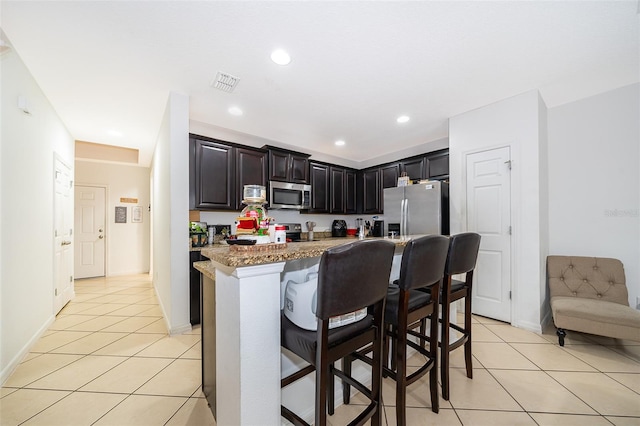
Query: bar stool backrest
x,y
423,261
352,276
463,253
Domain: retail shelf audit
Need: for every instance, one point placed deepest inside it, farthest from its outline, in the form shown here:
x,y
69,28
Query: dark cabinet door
x,y
415,168
251,169
299,169
371,191
351,191
438,165
390,174
287,166
319,188
278,166
214,176
194,288
338,193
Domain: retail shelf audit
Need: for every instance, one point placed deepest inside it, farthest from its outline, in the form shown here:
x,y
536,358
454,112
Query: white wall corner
x,y
513,122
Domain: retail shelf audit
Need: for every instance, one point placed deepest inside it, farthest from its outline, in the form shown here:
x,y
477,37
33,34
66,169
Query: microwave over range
x,y
284,195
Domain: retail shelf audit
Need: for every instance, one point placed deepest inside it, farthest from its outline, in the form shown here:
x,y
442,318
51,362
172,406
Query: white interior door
x,y
90,212
63,232
489,214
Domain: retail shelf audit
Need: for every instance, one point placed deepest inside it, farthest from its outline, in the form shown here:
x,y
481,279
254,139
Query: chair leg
x,y
331,391
433,353
346,387
385,349
467,345
400,356
376,377
322,374
394,345
561,332
444,352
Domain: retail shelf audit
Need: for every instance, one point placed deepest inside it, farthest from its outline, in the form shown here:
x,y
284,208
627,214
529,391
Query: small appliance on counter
x,y
339,228
378,228
293,231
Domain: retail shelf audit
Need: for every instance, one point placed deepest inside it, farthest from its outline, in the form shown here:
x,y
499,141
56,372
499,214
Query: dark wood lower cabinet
x,y
194,288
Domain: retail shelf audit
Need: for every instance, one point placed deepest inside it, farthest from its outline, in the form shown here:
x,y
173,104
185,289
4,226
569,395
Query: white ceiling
x,y
109,66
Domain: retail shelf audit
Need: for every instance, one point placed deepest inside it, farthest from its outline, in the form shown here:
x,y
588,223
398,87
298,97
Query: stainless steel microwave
x,y
284,195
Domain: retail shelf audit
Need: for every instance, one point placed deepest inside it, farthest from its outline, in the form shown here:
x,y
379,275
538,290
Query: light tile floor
x,y
107,360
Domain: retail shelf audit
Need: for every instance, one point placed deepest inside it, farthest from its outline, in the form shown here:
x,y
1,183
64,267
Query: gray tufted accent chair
x,y
589,294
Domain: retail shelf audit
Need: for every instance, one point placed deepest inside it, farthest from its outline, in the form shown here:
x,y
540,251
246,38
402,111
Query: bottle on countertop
x,y
281,234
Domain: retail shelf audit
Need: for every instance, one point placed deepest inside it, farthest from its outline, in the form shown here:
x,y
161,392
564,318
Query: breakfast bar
x,y
242,302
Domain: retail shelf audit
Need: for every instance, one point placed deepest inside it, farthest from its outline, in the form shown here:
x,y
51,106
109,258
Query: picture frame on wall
x,y
121,214
136,214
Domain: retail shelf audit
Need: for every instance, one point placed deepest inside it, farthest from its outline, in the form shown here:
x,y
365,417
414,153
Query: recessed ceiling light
x,y
280,57
339,143
235,111
403,119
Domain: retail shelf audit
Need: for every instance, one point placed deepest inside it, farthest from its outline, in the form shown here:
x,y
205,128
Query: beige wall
x,y
29,144
128,244
170,214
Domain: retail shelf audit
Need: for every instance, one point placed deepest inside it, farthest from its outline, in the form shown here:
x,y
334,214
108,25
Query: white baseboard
x,y
15,361
529,326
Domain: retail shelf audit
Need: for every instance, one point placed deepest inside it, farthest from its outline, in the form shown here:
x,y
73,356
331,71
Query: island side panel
x,y
208,304
248,344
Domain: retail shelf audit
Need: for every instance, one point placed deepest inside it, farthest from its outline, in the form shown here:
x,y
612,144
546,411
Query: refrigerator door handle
x,y
404,217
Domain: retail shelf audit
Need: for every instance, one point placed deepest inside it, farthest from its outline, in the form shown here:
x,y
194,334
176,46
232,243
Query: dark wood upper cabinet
x,y
278,165
371,191
288,166
219,170
390,174
214,175
415,168
351,192
320,188
299,169
337,183
251,169
438,165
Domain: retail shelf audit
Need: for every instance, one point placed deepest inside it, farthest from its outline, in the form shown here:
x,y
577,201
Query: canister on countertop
x,y
281,234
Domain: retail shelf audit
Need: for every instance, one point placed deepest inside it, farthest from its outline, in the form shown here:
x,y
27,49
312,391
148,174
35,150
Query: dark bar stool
x,y
350,277
461,259
422,266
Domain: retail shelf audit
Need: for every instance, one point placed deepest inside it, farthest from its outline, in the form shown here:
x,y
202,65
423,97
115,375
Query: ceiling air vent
x,y
225,82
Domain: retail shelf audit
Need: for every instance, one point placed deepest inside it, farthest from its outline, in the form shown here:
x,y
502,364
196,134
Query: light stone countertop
x,y
299,250
206,268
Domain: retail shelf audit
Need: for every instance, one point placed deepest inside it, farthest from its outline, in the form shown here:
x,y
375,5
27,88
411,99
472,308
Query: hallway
x,y
107,360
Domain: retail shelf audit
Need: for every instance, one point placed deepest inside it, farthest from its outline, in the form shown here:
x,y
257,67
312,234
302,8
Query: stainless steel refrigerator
x,y
417,209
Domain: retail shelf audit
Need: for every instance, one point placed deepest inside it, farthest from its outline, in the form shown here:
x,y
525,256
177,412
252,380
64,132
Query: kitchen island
x,y
241,314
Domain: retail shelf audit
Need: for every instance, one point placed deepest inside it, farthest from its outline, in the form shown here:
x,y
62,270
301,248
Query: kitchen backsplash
x,y
323,221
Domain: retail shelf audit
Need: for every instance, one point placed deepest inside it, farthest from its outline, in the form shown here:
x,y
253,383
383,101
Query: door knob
x,y
101,236
66,243
100,230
